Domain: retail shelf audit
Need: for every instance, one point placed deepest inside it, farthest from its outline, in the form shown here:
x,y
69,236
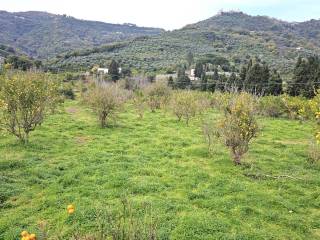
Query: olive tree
x,y
26,98
107,99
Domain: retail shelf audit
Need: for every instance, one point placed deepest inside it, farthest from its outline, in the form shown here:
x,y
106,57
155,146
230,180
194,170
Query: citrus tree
x,y
238,126
106,100
25,99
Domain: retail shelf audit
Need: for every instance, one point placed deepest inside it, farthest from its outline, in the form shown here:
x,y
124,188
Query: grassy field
x,y
157,160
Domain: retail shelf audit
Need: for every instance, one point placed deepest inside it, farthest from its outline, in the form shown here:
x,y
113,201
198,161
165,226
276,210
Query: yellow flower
x,y
24,234
70,209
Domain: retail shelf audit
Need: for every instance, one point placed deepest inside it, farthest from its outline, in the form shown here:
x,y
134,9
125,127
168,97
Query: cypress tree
x,y
114,71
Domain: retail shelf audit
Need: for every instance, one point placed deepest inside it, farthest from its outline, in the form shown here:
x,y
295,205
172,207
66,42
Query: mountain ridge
x,y
42,34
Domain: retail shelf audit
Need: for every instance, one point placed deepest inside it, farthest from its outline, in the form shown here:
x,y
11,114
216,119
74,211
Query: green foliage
x,y
272,106
306,77
183,81
26,98
238,126
199,71
114,71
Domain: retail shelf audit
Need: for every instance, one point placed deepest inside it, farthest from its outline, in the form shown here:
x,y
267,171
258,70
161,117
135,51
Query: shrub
x,y
272,106
220,100
67,92
106,100
210,132
314,153
26,98
238,126
139,103
295,107
157,95
184,105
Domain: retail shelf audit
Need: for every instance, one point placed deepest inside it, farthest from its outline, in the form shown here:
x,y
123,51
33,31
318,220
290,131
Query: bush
x,y
139,103
210,132
157,95
184,105
67,92
106,100
295,107
26,98
239,126
272,106
314,153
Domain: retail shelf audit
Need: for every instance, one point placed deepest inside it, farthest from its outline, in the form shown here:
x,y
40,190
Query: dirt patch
x,y
72,110
82,139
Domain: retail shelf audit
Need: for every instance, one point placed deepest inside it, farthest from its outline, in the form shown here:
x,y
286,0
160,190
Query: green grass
x,y
194,195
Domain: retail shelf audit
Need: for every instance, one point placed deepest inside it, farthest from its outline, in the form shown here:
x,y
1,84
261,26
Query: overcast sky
x,y
168,14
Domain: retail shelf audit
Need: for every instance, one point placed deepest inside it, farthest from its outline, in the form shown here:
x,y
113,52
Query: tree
x,y
26,99
189,59
106,100
184,105
183,81
238,126
204,82
170,82
275,84
157,94
113,71
306,77
199,71
216,81
233,82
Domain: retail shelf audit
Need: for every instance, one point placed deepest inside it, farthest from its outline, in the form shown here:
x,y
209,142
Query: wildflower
x,y
70,209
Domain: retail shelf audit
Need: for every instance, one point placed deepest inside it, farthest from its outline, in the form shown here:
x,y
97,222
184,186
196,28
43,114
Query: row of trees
x,y
255,77
306,78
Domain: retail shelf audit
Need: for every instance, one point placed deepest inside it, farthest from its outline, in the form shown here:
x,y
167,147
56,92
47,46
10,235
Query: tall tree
x,y
114,71
275,84
305,77
199,70
183,81
189,59
204,82
170,82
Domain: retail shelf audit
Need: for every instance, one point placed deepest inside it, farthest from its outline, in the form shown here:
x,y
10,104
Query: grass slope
x,y
194,195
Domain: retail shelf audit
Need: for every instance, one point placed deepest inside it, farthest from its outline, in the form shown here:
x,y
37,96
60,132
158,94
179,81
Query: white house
x,y
103,70
106,70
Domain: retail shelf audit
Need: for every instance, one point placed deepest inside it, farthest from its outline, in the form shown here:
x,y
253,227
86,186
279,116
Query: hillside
x,y
233,35
41,34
